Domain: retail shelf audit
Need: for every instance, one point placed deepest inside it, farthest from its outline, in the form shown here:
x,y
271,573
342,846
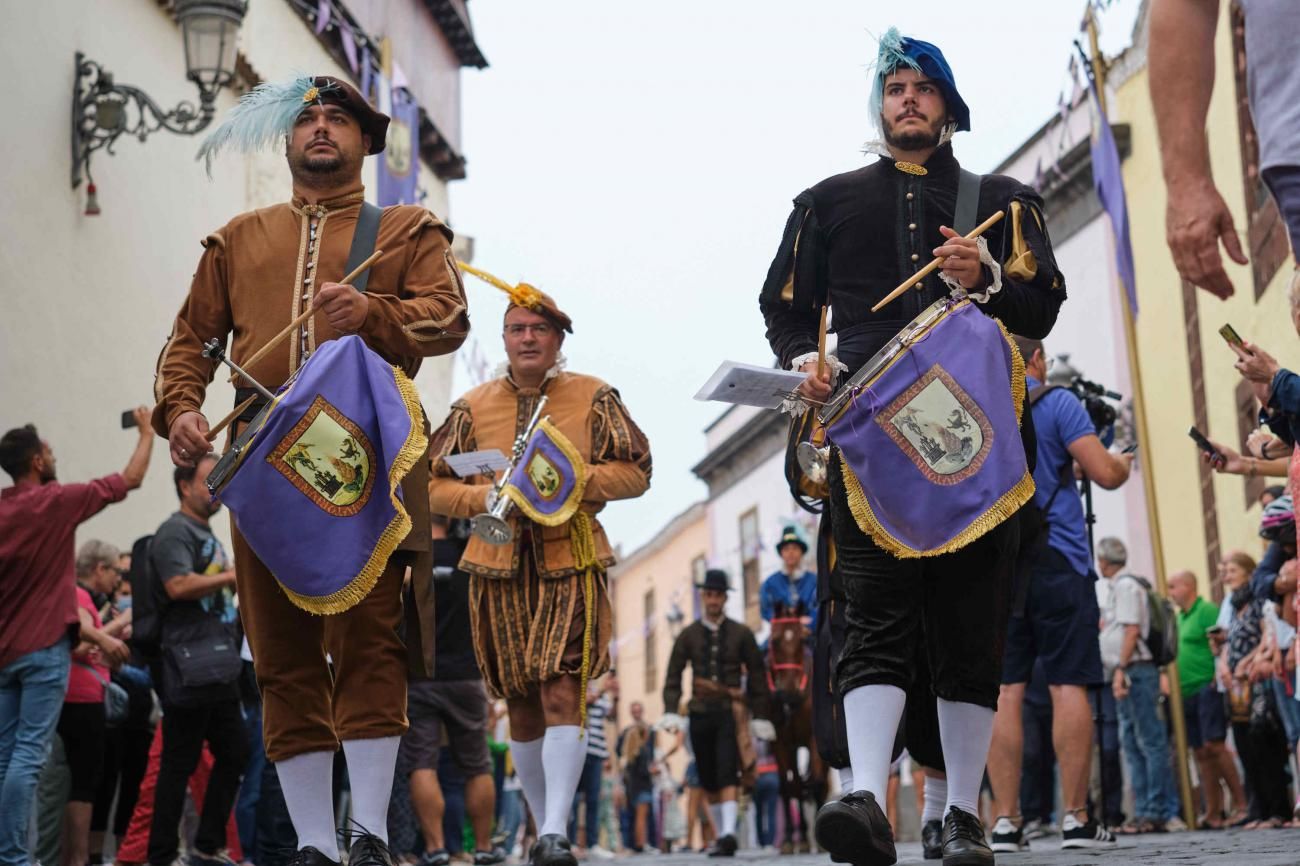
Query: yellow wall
x,y
1166,375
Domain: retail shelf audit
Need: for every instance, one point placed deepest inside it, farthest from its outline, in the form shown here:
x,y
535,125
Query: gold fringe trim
x,y
582,541
415,447
1017,372
574,499
1007,505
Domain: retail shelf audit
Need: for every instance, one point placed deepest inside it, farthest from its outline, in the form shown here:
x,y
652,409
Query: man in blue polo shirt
x,y
1059,623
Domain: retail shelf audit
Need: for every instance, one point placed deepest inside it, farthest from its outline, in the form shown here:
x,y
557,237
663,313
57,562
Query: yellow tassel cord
x,y
414,448
522,295
582,541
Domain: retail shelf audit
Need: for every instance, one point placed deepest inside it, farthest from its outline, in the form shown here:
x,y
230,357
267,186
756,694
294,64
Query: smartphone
x,y
128,419
1132,449
1204,444
1230,334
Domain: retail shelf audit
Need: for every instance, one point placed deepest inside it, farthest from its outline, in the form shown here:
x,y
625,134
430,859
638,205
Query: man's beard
x,y
918,140
321,172
47,475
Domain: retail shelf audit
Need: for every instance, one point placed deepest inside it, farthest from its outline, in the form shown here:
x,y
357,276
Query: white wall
x,y
89,301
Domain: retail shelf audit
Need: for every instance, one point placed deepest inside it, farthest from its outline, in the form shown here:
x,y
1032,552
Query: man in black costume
x,y
850,240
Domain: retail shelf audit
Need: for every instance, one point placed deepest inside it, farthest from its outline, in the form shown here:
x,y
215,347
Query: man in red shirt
x,y
39,623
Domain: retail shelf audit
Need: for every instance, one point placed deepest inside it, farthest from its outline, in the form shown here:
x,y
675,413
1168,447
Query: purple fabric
x,y
349,44
397,171
1108,178
322,16
971,435
541,443
310,550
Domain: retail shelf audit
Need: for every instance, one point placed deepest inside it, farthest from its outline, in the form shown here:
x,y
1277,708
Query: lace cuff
x,y
794,405
986,259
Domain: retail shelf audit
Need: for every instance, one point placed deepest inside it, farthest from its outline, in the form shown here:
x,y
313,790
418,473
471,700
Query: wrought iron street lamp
x,y
103,110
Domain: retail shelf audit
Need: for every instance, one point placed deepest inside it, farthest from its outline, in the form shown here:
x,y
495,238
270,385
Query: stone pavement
x,y
1221,848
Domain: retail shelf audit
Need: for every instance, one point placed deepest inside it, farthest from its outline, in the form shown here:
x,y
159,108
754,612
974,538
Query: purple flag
x,y
549,479
931,449
322,16
1108,179
318,496
398,170
349,45
367,74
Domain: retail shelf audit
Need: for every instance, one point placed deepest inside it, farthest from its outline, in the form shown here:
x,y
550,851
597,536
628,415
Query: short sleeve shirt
x,y
1124,604
183,545
1195,660
1273,79
1059,421
83,688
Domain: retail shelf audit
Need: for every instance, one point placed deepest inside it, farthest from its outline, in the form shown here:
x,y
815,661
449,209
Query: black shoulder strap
x,y
363,242
968,202
1035,394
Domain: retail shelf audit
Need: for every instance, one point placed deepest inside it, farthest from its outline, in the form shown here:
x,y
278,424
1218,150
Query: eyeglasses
x,y
540,329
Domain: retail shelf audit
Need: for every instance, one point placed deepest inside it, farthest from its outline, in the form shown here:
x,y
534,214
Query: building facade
x,y
90,299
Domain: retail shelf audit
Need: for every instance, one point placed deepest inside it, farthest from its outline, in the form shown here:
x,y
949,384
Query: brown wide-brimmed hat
x,y
336,91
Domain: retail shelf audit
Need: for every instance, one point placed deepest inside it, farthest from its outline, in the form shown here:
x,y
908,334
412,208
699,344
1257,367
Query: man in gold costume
x,y
541,623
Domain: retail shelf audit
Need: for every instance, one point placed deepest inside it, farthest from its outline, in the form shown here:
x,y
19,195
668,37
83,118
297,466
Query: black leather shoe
x,y
309,856
932,839
963,840
724,846
854,830
552,850
368,850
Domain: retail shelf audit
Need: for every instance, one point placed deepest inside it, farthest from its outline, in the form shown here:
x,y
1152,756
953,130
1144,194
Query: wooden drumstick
x,y
225,422
821,344
306,314
929,269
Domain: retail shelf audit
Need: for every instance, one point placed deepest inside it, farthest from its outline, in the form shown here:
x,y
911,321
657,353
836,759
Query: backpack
x,y
146,607
1032,517
1162,633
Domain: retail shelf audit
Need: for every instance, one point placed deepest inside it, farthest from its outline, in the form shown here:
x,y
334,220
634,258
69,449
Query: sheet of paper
x,y
749,385
477,463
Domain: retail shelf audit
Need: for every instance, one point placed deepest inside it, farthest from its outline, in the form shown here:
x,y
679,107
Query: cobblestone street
x,y
1222,848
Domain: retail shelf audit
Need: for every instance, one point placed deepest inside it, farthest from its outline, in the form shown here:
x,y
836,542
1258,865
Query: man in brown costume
x,y
338,678
527,608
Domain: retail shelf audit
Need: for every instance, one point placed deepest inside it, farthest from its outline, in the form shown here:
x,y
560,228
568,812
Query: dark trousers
x,y
1038,769
1263,755
589,793
185,729
126,753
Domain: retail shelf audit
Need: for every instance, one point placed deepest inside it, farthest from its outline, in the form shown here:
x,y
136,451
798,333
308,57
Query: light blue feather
x,y
890,56
264,115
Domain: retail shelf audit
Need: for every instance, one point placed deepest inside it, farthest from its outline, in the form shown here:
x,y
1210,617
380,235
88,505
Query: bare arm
x,y
136,467
191,587
115,652
1107,470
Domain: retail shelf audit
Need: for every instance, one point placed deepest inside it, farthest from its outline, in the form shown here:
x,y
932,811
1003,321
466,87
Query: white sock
x,y
564,751
846,779
532,778
936,799
871,715
715,812
371,764
308,784
728,810
965,731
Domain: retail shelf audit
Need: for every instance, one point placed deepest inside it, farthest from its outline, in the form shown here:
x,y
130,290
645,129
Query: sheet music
x,y
749,385
477,463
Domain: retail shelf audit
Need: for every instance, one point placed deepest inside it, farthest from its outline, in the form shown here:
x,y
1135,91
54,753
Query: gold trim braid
x,y
413,449
583,543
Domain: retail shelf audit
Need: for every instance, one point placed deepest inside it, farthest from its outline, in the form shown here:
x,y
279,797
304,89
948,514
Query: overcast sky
x,y
638,160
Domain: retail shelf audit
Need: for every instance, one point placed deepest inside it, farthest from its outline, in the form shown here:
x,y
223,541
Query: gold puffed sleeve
x,y
449,494
620,464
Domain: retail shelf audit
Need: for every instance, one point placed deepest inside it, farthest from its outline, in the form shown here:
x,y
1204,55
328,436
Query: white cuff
x,y
986,258
837,366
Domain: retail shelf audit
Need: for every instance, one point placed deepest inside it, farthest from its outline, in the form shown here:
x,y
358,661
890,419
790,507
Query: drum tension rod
x,y
213,350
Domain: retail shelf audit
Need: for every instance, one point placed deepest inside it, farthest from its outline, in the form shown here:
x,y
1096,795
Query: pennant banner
x,y
931,450
549,479
398,170
318,497
1108,178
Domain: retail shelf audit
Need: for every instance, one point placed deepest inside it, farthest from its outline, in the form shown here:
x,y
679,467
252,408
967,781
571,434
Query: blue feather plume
x,y
891,55
263,115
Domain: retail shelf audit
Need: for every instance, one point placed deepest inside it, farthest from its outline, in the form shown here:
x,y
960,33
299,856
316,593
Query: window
x,y
699,565
750,547
651,659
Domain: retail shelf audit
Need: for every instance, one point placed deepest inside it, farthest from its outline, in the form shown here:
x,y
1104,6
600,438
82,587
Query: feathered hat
x,y
524,295
897,50
266,114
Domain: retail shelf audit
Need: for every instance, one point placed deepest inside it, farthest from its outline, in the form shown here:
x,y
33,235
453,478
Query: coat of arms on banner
x,y
546,478
328,458
939,427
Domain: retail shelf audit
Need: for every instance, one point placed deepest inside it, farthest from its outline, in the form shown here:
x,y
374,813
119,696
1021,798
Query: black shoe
x,y
1090,835
963,840
723,846
854,830
551,850
932,839
309,856
369,850
489,858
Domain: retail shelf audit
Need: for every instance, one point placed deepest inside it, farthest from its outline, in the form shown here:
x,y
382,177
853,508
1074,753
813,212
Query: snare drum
x,y
229,462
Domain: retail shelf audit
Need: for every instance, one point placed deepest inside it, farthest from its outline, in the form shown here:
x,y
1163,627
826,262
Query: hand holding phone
x,y
1205,445
1230,334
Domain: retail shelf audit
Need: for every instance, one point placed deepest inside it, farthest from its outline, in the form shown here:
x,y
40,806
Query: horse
x,y
789,678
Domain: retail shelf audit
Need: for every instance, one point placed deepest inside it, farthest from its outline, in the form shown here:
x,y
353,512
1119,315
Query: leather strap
x,y
363,242
968,202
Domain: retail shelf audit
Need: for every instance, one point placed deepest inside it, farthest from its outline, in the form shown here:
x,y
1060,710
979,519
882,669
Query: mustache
x,y
321,140
907,114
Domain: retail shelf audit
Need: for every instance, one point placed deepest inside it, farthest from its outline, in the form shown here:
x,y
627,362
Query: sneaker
x,y
932,839
599,853
963,840
441,857
309,856
198,858
1176,825
1090,835
487,858
855,830
1007,838
725,846
1033,829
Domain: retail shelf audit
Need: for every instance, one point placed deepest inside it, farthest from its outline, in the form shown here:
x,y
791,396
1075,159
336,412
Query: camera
x,y
1093,397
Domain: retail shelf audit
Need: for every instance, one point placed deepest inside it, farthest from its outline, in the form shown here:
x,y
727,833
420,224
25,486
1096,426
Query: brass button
x,y
909,196
911,227
916,257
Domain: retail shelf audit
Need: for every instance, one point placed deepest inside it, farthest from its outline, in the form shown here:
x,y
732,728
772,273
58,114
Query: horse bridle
x,y
773,665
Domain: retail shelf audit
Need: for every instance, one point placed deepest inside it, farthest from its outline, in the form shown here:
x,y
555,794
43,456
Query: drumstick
x,y
306,314
929,269
224,422
821,345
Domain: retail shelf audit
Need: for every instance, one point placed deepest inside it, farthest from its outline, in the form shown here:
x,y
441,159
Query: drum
x,y
229,463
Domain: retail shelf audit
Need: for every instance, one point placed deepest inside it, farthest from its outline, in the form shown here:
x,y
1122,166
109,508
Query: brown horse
x,y
789,677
